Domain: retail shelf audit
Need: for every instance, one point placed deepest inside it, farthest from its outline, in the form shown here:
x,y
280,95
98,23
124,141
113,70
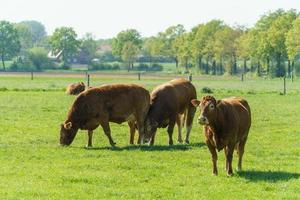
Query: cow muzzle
x,y
203,120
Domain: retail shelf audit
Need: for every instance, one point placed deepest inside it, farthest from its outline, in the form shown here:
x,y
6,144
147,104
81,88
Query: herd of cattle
x,y
226,122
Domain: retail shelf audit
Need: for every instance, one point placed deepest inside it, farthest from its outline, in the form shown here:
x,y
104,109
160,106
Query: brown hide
x,y
168,102
226,126
108,103
75,88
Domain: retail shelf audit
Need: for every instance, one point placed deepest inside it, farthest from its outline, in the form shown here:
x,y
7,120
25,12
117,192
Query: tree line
x,y
270,47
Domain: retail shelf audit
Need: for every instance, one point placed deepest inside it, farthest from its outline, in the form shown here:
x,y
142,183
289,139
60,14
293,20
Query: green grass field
x,y
34,166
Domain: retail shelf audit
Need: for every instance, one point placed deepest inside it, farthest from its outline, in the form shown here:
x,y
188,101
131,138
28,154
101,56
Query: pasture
x,y
34,166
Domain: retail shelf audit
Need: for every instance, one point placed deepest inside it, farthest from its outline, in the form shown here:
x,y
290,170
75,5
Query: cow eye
x,y
211,106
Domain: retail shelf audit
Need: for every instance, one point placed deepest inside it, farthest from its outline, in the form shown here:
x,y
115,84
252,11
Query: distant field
x,y
34,166
227,84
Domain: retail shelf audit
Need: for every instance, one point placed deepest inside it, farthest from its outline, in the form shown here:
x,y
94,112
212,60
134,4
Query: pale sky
x,y
105,18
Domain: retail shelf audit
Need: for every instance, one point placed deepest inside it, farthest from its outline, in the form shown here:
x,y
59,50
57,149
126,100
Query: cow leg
x,y
171,129
225,152
131,125
141,129
152,139
240,151
90,138
106,129
179,125
189,122
229,155
214,156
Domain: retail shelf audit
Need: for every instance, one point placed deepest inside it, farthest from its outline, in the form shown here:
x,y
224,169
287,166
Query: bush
x,y
3,89
206,90
147,67
142,67
115,66
156,67
22,66
38,57
103,66
64,65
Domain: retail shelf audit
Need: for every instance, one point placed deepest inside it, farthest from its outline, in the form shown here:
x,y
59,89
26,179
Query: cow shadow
x,y
268,176
176,147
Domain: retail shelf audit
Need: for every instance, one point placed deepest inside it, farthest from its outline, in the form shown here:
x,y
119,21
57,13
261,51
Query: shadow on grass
x,y
178,147
268,176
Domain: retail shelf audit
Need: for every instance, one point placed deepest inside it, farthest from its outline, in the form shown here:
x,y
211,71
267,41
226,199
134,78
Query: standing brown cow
x,y
170,104
108,103
226,125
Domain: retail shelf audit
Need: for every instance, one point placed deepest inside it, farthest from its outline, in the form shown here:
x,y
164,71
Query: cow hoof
x,y
180,141
88,147
187,142
215,173
113,144
229,174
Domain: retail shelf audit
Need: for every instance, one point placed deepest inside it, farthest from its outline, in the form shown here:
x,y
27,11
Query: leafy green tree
x,y
293,40
207,41
225,49
38,57
168,38
129,53
9,41
25,37
88,48
37,30
261,49
152,47
277,36
253,50
243,50
198,44
268,40
64,39
131,35
183,51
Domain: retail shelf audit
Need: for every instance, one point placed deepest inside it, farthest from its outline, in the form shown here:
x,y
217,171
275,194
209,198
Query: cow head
x,y
67,133
208,111
150,129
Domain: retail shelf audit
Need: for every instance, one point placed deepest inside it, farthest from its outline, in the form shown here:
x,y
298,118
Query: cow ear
x,y
68,125
195,102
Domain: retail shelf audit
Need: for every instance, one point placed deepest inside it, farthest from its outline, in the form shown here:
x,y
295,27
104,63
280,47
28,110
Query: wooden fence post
x,y
242,78
190,77
284,85
139,76
88,80
31,75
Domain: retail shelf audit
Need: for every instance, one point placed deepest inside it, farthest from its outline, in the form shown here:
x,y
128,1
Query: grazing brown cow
x,y
226,125
75,88
170,104
108,103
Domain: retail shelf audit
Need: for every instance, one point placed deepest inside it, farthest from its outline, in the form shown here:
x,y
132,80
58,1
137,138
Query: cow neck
x,y
157,109
157,114
216,125
73,118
